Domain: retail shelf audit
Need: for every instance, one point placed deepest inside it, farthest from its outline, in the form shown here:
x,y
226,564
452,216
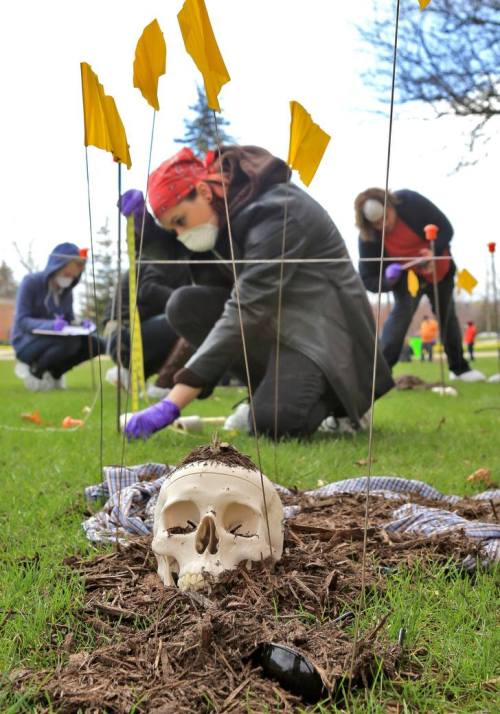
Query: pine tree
x,y
105,277
8,285
200,132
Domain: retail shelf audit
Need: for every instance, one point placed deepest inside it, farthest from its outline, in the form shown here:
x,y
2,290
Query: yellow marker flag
x,y
201,44
466,281
137,379
150,62
103,126
423,3
413,283
308,143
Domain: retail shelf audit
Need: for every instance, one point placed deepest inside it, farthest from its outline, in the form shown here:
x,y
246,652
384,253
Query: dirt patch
x,y
409,381
162,650
219,452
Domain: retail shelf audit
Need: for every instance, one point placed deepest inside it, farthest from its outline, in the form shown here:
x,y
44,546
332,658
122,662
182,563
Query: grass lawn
x,y
451,620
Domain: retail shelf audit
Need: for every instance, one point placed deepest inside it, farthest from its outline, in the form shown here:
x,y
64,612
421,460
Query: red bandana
x,y
176,177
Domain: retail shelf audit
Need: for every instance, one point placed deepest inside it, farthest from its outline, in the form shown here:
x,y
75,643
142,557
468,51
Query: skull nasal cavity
x,y
206,536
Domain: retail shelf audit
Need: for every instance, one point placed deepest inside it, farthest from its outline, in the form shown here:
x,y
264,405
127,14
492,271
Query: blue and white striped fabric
x,y
132,493
388,486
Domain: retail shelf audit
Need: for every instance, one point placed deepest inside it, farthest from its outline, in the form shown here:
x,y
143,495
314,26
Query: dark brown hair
x,y
366,229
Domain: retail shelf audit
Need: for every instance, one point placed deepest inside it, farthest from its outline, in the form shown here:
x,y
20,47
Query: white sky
x,y
275,51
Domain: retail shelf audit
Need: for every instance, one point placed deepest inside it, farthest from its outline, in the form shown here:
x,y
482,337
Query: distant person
x,y
429,330
45,302
407,214
470,337
406,352
327,329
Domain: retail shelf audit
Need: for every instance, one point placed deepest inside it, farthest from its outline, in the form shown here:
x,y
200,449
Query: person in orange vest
x,y
428,332
470,337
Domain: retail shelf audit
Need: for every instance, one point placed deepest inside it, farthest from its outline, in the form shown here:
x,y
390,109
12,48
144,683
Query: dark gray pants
x,y
158,338
304,395
398,322
57,355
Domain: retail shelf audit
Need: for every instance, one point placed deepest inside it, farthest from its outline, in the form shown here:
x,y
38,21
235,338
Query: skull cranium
x,y
210,517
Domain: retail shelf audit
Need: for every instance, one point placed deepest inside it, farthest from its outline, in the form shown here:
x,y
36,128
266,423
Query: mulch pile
x,y
409,381
164,651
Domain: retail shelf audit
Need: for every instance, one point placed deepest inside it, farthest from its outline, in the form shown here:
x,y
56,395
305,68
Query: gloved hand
x,y
393,272
59,324
132,201
88,325
149,420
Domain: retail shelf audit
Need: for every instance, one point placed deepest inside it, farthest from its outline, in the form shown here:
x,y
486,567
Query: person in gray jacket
x,y
327,329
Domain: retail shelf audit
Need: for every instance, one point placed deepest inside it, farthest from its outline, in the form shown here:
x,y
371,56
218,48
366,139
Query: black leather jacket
x,y
325,312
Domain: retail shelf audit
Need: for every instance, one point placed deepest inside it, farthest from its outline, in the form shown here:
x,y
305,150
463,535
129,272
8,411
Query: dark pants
x,y
58,355
427,347
470,349
158,338
304,395
398,322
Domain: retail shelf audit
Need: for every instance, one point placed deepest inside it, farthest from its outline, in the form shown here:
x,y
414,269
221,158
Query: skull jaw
x,y
192,577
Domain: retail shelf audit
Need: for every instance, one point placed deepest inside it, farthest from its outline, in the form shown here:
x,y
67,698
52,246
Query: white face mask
x,y
200,238
63,282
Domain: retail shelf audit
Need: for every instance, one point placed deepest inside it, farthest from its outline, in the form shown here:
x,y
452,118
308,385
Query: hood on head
x,y
61,255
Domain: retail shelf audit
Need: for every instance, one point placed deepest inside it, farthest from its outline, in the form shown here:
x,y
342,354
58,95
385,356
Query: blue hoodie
x,y
35,304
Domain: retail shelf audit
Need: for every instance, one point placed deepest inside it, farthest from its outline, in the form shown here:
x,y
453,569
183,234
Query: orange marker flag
x,y
413,284
423,3
103,126
308,143
466,281
150,62
201,44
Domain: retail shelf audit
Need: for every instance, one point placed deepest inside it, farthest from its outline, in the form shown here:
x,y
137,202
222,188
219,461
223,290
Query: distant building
x,y
7,306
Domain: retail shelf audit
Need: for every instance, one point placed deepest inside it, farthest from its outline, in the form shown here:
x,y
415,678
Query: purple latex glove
x,y
145,423
132,202
393,272
88,325
59,324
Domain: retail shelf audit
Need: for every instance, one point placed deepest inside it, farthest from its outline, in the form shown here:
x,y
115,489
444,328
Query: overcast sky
x,y
275,51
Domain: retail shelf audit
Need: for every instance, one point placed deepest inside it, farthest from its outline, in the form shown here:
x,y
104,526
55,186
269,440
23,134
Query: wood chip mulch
x,y
162,651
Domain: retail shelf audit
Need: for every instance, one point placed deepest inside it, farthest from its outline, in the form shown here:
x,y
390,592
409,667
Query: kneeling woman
x,y
45,302
326,332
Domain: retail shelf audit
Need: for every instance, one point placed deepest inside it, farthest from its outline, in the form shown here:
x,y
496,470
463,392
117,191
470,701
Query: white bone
x,y
209,518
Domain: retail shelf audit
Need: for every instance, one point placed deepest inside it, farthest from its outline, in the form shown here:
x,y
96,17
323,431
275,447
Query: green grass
x,y
417,434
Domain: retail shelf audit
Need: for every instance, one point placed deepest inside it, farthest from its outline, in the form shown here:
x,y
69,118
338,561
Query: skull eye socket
x,y
180,517
241,520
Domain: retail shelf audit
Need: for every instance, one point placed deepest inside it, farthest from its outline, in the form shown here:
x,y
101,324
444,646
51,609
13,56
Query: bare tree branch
x,y
448,57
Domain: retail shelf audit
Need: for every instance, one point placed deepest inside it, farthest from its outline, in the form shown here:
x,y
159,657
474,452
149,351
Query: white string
x,y
257,261
242,331
375,354
278,332
138,271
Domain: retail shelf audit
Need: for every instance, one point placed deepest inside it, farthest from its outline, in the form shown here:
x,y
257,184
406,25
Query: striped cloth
x,y
132,492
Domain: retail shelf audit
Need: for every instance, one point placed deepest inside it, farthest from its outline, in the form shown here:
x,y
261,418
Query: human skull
x,y
210,517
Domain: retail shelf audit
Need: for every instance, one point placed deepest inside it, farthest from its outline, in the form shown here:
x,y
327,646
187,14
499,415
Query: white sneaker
x,y
494,379
238,419
343,425
60,383
329,426
49,380
473,375
22,370
36,385
112,377
157,392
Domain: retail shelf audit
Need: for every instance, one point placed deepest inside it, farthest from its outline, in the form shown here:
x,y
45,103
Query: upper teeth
x,y
190,581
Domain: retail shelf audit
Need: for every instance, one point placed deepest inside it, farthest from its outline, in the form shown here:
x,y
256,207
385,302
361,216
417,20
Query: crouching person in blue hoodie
x,y
45,302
